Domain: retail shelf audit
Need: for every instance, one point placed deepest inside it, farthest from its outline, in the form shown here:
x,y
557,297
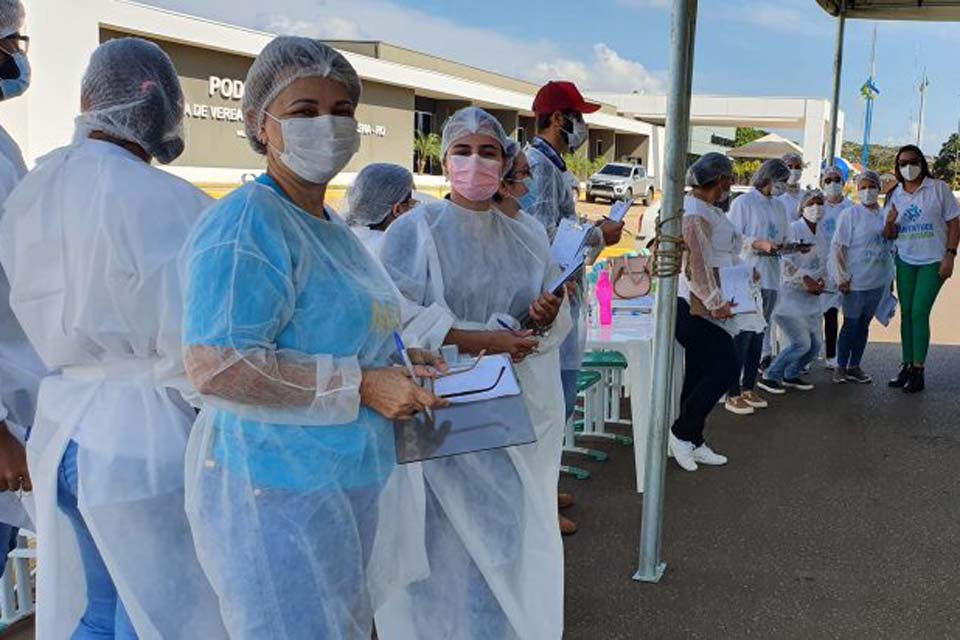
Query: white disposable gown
x,y
20,367
89,240
759,217
492,544
826,228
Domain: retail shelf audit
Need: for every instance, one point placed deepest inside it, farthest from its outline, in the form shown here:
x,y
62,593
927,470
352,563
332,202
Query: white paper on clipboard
x,y
493,377
568,245
736,285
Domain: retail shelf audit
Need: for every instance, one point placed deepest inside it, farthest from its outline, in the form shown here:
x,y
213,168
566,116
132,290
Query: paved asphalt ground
x,y
837,517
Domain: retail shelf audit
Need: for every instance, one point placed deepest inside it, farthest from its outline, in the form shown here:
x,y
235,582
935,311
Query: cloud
x,y
784,16
606,71
599,68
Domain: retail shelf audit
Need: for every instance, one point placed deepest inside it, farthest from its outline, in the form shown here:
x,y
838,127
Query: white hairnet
x,y
12,16
471,120
807,195
375,190
831,172
871,176
285,60
770,171
709,168
792,156
131,91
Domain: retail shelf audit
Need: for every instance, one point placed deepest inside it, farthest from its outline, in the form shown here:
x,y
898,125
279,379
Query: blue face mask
x,y
14,76
528,200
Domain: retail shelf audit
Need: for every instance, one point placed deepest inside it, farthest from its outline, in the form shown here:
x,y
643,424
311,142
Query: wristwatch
x,y
952,252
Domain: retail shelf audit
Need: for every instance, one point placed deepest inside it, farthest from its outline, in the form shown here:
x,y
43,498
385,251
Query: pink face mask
x,y
473,177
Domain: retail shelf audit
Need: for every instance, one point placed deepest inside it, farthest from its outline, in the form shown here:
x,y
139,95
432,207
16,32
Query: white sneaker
x,y
683,453
705,455
830,364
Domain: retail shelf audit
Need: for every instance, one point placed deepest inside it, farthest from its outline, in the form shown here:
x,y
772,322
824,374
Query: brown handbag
x,y
630,277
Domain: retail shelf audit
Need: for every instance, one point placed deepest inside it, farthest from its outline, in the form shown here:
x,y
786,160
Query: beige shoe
x,y
753,399
738,406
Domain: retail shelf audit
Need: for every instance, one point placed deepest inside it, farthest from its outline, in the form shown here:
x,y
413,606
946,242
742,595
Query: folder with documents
x,y
487,411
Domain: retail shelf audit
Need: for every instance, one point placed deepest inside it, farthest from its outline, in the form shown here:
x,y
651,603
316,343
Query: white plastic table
x,y
633,337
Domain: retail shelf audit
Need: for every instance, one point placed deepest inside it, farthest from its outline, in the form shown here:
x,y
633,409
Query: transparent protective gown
x,y
20,367
285,468
826,228
89,241
490,539
760,218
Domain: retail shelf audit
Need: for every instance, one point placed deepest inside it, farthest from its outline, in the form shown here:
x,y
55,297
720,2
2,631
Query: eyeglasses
x,y
832,180
20,43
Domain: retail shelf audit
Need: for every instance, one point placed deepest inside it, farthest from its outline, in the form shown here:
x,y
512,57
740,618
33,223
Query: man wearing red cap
x,y
559,108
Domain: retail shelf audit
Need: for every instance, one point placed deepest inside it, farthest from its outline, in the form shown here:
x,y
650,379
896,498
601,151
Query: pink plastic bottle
x,y
605,298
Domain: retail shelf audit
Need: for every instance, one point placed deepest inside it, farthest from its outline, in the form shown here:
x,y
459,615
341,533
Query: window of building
x,y
423,123
599,152
521,136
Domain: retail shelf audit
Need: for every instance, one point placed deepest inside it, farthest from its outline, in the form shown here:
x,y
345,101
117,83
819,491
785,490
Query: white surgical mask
x,y
869,196
778,189
813,213
316,149
833,189
910,172
578,136
794,178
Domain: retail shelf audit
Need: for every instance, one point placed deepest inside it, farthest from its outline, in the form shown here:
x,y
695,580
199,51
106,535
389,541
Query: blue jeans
x,y
859,308
105,616
803,335
748,345
8,542
568,378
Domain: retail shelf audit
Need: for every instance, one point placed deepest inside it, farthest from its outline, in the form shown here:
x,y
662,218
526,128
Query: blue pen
x,y
405,357
506,326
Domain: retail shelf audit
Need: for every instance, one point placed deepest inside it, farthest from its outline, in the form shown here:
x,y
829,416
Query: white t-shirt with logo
x,y
869,260
922,221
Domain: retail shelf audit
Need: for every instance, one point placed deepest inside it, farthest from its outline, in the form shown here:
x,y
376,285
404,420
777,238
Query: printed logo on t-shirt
x,y
772,230
910,231
912,213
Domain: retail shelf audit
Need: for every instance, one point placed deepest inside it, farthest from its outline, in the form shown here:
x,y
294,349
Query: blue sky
x,y
744,47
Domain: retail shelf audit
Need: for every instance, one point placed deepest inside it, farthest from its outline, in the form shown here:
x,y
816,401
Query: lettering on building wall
x,y
226,88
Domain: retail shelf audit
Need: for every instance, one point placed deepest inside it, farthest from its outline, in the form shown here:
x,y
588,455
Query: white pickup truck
x,y
621,181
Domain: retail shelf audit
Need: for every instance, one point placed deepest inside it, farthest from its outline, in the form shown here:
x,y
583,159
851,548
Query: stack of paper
x,y
569,244
493,377
735,282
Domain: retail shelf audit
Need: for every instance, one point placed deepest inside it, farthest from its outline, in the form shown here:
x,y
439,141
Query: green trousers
x,y
917,288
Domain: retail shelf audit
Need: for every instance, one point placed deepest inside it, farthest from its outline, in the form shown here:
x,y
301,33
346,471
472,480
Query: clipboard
x,y
465,427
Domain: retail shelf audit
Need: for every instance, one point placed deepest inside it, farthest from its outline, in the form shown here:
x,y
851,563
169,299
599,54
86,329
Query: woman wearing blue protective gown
x,y
288,326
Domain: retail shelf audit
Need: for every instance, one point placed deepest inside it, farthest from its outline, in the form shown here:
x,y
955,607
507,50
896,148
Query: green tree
x,y
743,170
426,146
945,164
746,135
582,166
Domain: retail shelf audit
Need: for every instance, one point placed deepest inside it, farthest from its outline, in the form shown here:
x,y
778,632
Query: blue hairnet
x,y
471,120
131,91
871,176
769,172
12,16
710,167
375,190
285,60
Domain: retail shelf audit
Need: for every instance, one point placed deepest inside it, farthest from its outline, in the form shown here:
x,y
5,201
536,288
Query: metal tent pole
x,y
837,72
682,32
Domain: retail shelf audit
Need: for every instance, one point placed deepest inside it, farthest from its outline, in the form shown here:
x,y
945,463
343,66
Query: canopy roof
x,y
769,146
936,10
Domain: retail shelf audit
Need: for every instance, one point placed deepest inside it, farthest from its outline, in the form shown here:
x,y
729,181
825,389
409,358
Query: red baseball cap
x,y
561,96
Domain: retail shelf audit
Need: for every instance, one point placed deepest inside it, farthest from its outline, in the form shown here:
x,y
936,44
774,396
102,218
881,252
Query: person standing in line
x,y
559,109
862,262
89,240
923,220
759,218
834,204
380,194
706,323
791,195
20,368
803,279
